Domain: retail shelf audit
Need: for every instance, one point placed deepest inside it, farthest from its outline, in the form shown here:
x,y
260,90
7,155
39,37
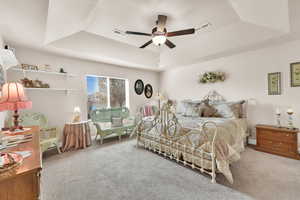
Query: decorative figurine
x,y
39,84
278,114
27,83
290,112
34,83
62,70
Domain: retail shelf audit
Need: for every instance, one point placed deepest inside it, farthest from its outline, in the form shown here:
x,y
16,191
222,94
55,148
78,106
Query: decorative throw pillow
x,y
210,112
201,109
237,108
116,122
180,107
224,110
205,110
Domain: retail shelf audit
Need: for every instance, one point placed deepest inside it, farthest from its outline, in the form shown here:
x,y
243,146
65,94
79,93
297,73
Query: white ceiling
x,y
84,28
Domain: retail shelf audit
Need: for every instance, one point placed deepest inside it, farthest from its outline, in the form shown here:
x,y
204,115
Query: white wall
x,y
247,78
2,114
1,41
57,106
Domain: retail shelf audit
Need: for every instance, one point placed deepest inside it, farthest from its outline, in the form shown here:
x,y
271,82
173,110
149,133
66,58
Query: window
x,y
107,92
117,92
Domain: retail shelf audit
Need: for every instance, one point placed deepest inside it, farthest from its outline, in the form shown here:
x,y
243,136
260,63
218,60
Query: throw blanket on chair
x,y
147,111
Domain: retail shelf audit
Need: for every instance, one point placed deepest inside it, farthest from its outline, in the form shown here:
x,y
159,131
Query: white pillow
x,y
116,122
191,109
180,107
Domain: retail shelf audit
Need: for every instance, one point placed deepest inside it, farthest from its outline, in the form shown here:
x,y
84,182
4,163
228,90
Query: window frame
x,y
127,102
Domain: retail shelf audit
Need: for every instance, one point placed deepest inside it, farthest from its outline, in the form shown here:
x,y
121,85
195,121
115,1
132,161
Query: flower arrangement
x,y
212,77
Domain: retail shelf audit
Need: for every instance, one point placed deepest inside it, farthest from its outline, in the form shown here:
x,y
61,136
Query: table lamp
x,y
76,115
14,98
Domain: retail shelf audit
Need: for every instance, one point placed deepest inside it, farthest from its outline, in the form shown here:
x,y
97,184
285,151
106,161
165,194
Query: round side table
x,y
76,136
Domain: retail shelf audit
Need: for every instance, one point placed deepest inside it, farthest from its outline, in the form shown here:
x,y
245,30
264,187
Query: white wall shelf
x,y
58,89
43,72
54,89
66,90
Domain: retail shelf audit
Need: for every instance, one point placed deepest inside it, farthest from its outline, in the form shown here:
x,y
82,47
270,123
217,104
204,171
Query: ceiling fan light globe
x,y
159,39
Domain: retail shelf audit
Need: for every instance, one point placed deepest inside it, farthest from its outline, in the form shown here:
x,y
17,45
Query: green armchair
x,y
112,122
48,135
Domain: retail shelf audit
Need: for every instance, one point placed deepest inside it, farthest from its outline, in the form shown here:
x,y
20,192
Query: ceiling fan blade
x,y
138,33
170,44
181,32
206,25
161,22
146,44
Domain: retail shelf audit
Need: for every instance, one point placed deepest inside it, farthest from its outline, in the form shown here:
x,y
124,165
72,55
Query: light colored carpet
x,y
116,171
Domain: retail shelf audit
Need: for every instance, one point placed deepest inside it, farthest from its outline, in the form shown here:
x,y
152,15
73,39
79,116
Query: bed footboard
x,y
167,143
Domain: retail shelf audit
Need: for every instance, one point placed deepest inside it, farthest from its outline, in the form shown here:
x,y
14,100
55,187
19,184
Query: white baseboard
x,y
252,141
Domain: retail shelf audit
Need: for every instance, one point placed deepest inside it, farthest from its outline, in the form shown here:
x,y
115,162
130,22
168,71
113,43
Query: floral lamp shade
x,y
14,98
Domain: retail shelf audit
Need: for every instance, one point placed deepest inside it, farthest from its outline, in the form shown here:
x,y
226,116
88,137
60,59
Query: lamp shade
x,y
77,109
13,97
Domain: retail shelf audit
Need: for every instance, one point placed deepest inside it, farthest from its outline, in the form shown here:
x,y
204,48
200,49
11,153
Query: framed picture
x,y
148,91
139,87
295,74
274,83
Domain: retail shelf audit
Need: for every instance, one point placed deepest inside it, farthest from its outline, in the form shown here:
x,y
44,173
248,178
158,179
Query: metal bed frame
x,y
165,142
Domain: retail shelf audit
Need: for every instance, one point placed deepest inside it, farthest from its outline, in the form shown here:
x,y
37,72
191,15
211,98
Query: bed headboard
x,y
214,96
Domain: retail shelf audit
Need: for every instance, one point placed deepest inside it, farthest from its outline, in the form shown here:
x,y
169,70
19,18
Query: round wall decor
x,y
148,91
139,87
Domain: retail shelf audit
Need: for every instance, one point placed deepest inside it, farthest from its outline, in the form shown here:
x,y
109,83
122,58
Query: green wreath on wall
x,y
212,77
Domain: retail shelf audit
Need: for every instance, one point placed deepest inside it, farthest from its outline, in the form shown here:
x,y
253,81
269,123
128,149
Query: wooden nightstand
x,y
279,141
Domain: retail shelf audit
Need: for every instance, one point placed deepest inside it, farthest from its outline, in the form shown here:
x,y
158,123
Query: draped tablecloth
x,y
76,136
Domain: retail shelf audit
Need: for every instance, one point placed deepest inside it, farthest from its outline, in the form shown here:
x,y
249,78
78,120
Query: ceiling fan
x,y
160,34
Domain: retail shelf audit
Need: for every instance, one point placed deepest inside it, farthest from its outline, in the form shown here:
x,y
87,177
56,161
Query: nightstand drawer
x,y
277,136
275,145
